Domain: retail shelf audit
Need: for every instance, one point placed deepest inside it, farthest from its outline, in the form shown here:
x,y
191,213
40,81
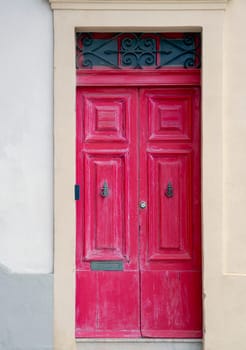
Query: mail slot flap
x,y
107,265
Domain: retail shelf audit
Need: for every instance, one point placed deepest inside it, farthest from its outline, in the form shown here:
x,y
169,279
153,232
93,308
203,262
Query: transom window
x,y
137,50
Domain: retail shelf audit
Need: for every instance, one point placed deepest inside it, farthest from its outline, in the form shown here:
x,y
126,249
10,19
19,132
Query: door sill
x,y
138,344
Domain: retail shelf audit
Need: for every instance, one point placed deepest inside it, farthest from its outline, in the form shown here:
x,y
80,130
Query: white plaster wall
x,y
26,46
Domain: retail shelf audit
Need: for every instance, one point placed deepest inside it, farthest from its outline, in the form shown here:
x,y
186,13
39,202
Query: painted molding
x,y
138,4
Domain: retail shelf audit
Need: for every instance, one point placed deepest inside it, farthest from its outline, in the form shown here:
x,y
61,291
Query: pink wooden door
x,y
170,227
138,269
108,291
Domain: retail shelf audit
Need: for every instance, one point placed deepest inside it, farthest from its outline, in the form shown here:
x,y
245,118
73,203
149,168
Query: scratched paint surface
x,y
139,141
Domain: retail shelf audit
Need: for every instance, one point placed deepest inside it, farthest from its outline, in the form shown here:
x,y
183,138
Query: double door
x,y
138,268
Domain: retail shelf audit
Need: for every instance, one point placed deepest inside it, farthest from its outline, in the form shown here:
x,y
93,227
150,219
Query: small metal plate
x,y
107,265
76,192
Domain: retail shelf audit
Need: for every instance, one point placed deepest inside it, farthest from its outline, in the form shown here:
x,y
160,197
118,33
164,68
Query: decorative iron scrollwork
x,y
186,50
137,50
93,51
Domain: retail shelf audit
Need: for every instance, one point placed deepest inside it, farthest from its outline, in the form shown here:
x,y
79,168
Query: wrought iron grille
x,y
137,50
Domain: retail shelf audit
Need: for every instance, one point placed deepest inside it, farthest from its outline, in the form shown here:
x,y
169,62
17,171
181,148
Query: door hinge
x,y
76,192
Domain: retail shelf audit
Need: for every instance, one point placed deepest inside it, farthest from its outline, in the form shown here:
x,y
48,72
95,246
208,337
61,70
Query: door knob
x,y
142,204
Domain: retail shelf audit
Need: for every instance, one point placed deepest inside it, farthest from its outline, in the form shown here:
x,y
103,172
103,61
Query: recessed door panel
x,y
106,200
170,211
105,117
169,115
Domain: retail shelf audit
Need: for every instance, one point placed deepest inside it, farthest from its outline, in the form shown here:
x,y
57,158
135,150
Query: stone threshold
x,y
138,344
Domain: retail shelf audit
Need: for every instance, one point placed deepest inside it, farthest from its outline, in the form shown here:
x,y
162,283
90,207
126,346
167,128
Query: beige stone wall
x,y
232,303
234,138
223,141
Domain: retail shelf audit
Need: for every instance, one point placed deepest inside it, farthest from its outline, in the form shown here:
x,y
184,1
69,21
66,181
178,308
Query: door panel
x,y
107,304
105,117
169,115
171,304
170,211
105,221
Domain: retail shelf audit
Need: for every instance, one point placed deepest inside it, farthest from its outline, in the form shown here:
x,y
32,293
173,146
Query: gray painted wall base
x,y
139,344
26,311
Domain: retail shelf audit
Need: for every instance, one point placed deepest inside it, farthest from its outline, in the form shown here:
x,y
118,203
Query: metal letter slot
x,y
104,190
169,190
106,265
